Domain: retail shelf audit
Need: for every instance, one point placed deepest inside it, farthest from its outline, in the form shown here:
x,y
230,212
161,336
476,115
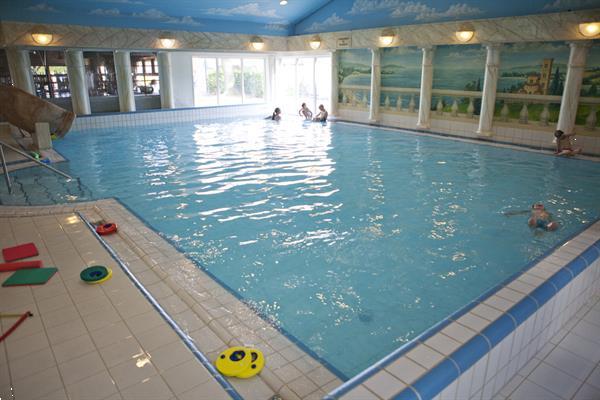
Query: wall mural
x,y
528,69
401,69
354,77
590,87
458,68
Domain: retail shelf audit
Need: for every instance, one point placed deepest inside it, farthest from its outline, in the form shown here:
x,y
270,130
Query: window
x,y
228,80
254,80
4,70
100,73
49,74
303,80
205,81
144,69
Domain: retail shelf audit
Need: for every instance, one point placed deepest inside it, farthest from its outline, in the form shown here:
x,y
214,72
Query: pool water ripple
x,y
353,239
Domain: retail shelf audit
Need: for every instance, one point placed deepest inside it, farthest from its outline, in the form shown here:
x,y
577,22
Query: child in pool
x,y
540,218
305,111
276,116
322,115
564,147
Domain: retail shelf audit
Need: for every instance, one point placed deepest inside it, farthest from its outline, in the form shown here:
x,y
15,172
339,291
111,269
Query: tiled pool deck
x,y
110,335
568,367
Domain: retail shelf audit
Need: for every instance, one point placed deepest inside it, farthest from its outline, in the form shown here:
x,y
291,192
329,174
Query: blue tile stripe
x,y
435,380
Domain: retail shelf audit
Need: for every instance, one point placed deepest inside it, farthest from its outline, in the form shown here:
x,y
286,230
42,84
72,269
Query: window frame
x,y
219,68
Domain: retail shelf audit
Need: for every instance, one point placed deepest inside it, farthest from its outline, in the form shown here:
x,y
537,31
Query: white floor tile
x,y
555,380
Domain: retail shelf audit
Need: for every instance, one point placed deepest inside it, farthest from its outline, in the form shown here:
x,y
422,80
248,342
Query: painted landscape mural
x,y
590,87
532,69
400,68
460,68
354,69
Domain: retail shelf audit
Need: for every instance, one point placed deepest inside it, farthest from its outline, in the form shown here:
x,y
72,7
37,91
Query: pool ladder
x,y
5,168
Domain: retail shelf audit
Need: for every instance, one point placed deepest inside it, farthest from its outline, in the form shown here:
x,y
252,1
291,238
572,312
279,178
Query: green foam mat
x,y
36,276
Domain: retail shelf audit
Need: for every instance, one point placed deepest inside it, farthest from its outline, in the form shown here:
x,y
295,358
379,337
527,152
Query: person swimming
x,y
276,116
305,111
539,217
564,147
322,115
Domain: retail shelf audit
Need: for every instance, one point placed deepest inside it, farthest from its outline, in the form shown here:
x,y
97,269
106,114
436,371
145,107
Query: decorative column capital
x,y
581,44
491,46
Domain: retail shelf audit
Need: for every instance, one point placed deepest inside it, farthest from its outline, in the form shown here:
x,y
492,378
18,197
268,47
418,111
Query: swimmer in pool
x,y
539,217
305,111
564,147
322,115
276,116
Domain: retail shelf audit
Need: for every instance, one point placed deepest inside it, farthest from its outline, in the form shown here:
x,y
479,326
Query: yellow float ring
x,y
257,362
233,361
107,277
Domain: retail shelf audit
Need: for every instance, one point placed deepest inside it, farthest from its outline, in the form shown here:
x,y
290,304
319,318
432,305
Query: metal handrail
x,y
6,176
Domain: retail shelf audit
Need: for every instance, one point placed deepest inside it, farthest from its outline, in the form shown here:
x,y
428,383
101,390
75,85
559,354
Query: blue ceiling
x,y
254,16
267,17
341,15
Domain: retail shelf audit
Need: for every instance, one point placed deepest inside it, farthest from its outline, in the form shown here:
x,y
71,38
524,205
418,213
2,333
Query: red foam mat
x,y
19,252
20,265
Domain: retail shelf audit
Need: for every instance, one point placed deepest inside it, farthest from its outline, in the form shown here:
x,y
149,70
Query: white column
x,y
19,65
426,86
166,80
80,99
488,95
334,84
375,84
124,80
570,96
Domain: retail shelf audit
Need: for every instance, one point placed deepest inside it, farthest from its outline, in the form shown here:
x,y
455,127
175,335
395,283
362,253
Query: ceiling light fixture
x,y
386,38
315,42
257,43
42,38
589,29
464,36
283,2
166,40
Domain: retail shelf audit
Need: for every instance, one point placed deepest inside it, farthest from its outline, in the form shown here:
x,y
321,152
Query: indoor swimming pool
x,y
351,239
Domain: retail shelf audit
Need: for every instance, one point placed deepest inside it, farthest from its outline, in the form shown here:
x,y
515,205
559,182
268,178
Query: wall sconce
x,y
166,41
257,43
386,38
42,38
464,36
314,42
589,29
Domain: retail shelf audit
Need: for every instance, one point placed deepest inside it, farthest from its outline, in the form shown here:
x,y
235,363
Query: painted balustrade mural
x,y
589,102
400,79
458,73
531,82
354,78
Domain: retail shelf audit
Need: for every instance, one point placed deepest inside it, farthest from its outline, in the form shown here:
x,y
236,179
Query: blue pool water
x,y
353,239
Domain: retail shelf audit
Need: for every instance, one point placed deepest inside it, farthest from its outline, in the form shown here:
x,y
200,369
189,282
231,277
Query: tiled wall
x,y
168,116
531,136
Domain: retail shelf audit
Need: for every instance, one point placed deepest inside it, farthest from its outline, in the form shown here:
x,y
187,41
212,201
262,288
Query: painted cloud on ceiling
x,y
246,9
360,14
330,22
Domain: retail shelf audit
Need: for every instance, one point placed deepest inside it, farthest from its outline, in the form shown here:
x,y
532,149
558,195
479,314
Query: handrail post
x,y
5,168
